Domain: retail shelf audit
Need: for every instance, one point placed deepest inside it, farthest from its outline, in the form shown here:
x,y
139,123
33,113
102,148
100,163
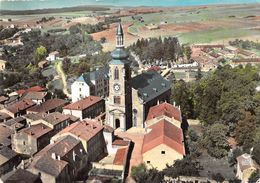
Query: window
x,y
162,152
148,162
80,89
116,73
116,100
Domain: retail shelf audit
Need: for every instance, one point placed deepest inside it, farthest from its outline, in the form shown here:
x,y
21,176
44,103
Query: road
x,y
58,66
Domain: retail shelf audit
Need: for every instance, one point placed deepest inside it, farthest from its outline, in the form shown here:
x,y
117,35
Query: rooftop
x,y
37,131
48,105
101,73
50,166
166,133
150,85
20,176
120,156
3,99
56,118
32,89
85,129
164,109
245,161
5,135
35,95
20,106
6,154
46,163
4,116
83,103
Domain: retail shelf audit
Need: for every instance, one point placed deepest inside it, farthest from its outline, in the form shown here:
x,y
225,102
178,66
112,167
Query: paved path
x,y
136,157
61,73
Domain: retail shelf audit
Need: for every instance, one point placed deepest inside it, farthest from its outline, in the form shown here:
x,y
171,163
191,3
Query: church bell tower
x,y
119,103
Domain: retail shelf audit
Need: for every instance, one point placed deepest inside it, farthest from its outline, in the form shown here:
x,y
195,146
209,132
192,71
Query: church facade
x,y
129,98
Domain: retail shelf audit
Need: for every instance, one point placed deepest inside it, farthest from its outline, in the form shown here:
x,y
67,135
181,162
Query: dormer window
x,y
116,74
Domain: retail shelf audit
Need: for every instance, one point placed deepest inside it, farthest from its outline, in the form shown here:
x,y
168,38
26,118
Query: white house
x,y
53,56
92,83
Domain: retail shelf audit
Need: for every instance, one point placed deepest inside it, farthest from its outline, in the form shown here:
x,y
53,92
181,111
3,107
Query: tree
x,y
184,167
141,174
245,130
215,140
218,177
181,95
256,152
40,53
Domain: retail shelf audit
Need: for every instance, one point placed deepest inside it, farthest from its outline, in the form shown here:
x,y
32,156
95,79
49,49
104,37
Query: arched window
x,y
116,74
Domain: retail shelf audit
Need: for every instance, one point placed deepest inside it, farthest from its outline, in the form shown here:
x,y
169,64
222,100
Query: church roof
x,y
101,73
150,85
119,54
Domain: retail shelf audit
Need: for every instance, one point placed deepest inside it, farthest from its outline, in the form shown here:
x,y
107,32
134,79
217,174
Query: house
x,y
89,107
8,160
5,136
92,83
164,111
43,64
53,56
90,133
15,124
4,117
61,162
32,139
48,107
2,65
20,176
162,144
3,99
32,89
18,108
114,165
245,167
55,121
37,97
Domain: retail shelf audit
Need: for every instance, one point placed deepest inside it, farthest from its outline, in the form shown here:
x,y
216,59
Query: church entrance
x,y
117,123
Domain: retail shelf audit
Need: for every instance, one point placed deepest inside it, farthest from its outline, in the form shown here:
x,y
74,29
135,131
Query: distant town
x,y
91,97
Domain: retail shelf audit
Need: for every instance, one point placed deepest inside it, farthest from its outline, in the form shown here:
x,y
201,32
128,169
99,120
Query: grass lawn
x,y
213,35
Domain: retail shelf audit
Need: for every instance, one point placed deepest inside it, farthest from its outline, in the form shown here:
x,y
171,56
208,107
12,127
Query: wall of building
x,y
79,90
159,160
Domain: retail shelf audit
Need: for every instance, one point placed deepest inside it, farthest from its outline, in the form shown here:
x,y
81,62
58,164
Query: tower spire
x,y
119,36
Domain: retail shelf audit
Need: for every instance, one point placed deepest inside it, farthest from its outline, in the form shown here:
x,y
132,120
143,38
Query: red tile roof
x,y
37,131
166,133
120,156
35,95
85,129
48,106
120,142
84,103
20,106
32,89
164,109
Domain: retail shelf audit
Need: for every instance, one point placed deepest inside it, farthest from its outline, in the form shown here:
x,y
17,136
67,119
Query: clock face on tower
x,y
116,87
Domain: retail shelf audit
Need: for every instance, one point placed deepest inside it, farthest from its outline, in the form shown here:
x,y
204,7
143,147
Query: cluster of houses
x,y
209,56
113,122
52,140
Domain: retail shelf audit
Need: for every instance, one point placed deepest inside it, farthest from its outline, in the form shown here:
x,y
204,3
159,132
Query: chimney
x,y
53,156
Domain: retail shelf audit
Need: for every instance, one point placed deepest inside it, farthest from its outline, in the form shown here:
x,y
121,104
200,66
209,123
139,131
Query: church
x,y
128,99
